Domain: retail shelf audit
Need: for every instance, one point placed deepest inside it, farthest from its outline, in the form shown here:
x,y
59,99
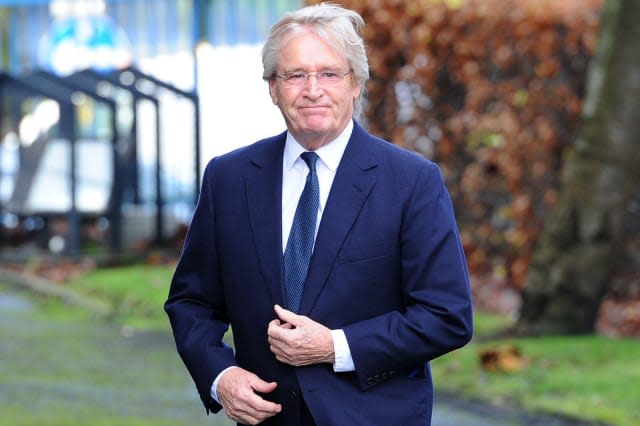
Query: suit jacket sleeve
x,y
437,315
195,304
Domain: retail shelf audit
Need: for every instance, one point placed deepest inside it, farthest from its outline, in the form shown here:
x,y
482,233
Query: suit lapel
x,y
352,184
264,199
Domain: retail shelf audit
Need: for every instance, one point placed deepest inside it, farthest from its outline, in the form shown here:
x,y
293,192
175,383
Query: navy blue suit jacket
x,y
388,268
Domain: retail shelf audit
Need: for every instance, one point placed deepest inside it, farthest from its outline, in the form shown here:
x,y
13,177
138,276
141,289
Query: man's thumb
x,y
286,315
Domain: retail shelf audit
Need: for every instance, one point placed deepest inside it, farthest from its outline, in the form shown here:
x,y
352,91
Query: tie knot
x,y
310,158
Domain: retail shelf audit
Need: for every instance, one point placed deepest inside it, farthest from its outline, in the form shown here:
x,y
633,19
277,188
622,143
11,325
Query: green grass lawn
x,y
591,377
64,366
136,293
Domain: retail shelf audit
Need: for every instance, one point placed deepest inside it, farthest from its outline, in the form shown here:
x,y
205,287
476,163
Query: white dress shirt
x,y
294,176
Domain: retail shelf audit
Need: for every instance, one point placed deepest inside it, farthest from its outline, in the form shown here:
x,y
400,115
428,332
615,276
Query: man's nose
x,y
312,84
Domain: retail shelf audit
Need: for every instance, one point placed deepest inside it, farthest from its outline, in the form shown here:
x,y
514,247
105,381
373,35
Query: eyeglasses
x,y
300,78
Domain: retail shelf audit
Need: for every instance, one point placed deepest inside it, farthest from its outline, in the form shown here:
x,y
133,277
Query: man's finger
x,y
264,387
260,408
286,315
273,324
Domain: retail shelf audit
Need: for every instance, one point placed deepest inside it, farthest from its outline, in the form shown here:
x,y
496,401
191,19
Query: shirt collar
x,y
330,154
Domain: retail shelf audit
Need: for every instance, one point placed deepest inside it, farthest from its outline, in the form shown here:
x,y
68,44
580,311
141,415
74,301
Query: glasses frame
x,y
288,77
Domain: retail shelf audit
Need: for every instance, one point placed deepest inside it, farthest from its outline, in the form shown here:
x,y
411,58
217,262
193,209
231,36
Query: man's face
x,y
315,112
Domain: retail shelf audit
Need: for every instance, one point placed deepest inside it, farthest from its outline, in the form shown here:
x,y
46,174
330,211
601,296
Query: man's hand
x,y
237,393
298,340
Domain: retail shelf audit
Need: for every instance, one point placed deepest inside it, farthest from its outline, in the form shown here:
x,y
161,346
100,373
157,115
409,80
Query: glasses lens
x,y
296,79
325,78
329,77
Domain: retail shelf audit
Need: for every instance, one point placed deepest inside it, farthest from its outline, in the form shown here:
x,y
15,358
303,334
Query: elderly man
x,y
333,255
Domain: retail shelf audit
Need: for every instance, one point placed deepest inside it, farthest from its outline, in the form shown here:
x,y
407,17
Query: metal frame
x,y
93,77
67,130
195,100
116,199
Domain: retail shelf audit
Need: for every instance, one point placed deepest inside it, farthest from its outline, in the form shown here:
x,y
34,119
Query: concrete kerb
x,y
44,287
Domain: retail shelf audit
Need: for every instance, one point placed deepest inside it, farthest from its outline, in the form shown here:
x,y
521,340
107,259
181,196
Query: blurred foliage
x,y
492,90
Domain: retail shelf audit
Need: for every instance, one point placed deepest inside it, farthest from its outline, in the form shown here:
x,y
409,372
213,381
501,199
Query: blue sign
x,y
76,43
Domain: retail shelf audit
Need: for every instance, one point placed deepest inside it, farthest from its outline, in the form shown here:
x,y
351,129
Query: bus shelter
x,y
53,174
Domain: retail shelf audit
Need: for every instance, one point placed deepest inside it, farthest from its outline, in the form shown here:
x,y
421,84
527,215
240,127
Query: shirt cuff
x,y
214,386
343,361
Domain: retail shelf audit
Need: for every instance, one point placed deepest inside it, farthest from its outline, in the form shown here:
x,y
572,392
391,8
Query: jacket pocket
x,y
376,252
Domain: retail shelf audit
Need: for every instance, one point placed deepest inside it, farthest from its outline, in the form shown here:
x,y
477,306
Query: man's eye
x,y
329,75
296,77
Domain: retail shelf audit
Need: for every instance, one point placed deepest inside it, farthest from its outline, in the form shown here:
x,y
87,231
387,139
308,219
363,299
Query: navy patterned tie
x,y
297,254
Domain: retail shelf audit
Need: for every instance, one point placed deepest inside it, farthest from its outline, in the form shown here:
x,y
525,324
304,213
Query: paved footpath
x,y
75,369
